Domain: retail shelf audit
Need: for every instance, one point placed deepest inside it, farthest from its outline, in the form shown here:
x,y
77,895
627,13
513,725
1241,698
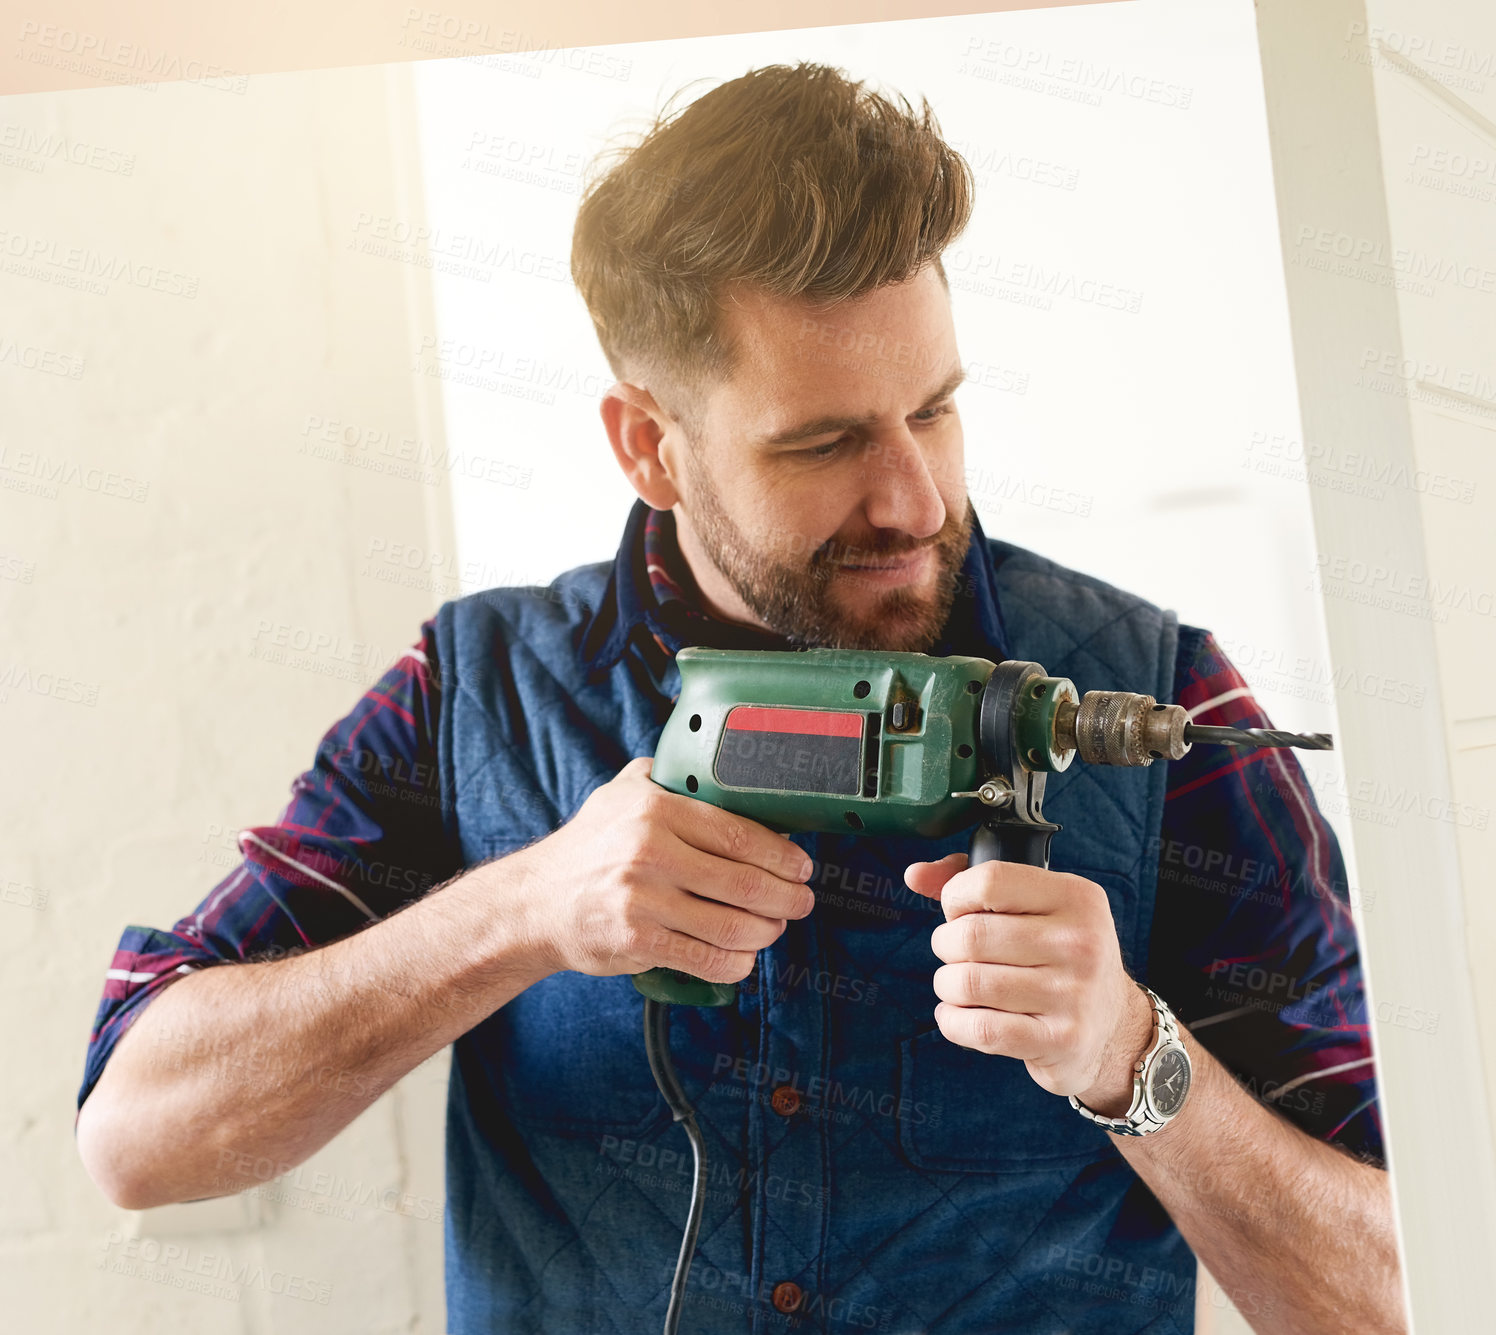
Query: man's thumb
x,y
929,878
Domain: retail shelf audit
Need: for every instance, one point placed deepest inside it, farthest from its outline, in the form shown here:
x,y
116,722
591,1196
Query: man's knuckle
x,y
657,806
971,929
648,846
630,905
988,1030
969,979
630,806
733,933
1054,988
717,965
630,942
637,940
632,882
1099,899
744,885
1085,950
1068,941
736,837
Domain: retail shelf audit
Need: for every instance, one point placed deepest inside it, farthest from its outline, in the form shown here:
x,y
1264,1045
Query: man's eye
x,y
825,451
925,415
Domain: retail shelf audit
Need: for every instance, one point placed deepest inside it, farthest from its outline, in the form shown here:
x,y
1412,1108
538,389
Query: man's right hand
x,y
642,877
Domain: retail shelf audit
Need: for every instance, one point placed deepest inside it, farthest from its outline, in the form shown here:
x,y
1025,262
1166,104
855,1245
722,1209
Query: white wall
x,y
1387,233
170,510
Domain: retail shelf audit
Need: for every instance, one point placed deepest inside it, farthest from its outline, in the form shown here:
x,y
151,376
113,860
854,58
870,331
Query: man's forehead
x,y
874,345
763,327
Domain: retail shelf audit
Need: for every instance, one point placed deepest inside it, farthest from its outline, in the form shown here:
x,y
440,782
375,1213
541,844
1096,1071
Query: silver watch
x,y
1160,1080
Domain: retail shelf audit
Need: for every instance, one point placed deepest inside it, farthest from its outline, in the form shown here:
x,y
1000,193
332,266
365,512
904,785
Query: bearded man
x,y
478,857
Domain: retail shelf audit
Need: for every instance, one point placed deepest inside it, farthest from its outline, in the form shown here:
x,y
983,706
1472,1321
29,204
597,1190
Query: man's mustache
x,y
790,547
884,557
835,553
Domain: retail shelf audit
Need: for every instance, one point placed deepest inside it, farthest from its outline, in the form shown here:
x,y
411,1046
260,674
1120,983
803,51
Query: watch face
x,y
1168,1081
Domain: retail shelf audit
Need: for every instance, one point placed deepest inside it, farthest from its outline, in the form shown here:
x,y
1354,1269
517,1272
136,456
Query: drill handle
x,y
1012,841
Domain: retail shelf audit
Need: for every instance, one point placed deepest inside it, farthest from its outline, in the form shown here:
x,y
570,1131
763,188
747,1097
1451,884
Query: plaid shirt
x,y
1253,943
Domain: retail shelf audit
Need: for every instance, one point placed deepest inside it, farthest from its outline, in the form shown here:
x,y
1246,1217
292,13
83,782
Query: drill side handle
x,y
1012,841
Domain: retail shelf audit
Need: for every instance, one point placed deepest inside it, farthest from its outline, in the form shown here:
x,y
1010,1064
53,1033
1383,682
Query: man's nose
x,y
902,490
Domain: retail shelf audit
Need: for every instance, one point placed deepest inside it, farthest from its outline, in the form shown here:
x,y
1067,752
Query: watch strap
x,y
1139,1119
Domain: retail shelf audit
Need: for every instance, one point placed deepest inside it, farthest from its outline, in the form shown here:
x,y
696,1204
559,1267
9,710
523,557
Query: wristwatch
x,y
1160,1080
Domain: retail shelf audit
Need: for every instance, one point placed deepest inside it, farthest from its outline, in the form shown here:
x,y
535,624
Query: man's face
x,y
826,489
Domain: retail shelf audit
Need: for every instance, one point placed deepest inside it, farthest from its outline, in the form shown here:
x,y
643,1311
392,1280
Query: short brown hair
x,y
791,179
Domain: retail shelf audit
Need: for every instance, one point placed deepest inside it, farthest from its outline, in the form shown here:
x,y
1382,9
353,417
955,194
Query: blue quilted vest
x,y
865,1172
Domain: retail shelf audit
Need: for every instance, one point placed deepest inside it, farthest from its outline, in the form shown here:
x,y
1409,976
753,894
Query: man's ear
x,y
636,427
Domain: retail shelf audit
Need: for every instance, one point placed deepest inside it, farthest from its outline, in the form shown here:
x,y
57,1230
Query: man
x,y
763,273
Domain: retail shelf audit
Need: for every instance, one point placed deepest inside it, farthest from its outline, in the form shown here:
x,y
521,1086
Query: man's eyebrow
x,y
821,426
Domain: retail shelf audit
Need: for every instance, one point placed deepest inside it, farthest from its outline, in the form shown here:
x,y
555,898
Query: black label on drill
x,y
791,750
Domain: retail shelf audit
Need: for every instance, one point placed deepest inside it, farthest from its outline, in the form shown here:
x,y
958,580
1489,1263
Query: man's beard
x,y
795,596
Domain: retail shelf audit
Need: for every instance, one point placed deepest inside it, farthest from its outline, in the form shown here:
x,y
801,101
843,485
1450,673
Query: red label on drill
x,y
816,722
791,750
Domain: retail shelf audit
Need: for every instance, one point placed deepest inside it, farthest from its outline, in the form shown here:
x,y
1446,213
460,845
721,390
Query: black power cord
x,y
657,1047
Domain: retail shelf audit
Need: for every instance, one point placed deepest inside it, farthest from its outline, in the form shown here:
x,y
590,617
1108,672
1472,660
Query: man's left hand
x,y
1033,970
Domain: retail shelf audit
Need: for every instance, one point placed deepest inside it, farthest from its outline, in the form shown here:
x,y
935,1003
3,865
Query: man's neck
x,y
710,590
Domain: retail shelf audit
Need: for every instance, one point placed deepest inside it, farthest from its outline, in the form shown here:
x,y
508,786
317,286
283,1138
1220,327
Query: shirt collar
x,y
651,600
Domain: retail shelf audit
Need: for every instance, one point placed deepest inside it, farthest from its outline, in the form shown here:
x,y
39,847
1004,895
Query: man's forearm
x,y
245,1062
1298,1233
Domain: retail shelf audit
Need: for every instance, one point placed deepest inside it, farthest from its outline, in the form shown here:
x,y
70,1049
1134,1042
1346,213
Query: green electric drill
x,y
877,742
885,743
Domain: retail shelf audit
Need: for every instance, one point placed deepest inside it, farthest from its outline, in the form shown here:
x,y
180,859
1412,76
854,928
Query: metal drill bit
x,y
1305,741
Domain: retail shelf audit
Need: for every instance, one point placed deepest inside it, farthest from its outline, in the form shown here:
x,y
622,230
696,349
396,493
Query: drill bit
x,y
1305,741
1123,728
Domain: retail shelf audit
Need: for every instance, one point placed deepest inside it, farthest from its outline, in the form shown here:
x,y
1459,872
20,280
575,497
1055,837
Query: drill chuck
x,y
1121,728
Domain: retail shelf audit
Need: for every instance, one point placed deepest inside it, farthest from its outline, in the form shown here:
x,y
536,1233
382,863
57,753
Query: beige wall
x,y
192,520
1379,114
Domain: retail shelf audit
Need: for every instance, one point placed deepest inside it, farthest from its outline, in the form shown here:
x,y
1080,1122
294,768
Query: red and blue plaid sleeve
x,y
362,836
1253,942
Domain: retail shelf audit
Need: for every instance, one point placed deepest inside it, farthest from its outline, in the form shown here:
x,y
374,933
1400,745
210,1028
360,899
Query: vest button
x,y
785,1100
787,1296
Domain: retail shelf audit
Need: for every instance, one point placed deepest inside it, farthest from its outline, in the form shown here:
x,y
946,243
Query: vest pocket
x,y
972,1112
568,1053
